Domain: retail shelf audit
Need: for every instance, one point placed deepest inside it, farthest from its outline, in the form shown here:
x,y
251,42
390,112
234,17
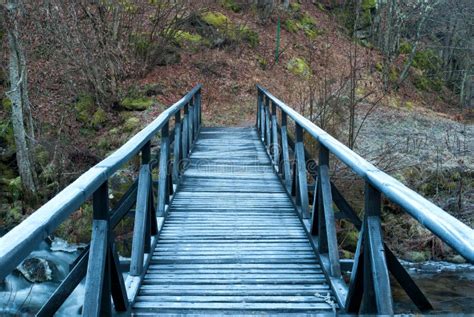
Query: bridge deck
x,y
232,241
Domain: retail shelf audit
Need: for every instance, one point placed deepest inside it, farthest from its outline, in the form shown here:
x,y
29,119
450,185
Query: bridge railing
x,y
99,262
369,289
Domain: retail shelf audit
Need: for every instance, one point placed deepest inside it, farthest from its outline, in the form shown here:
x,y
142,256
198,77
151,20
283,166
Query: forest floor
x,y
410,133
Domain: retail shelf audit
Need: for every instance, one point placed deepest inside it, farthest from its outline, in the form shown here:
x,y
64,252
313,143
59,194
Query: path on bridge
x,y
232,240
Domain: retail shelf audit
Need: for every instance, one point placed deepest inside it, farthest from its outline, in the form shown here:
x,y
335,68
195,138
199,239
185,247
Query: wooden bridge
x,y
233,220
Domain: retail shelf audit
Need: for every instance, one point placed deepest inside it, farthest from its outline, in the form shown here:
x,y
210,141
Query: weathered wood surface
x,y
232,241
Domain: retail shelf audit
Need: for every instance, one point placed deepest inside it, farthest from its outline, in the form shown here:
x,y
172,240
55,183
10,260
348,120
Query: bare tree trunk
x,y
18,95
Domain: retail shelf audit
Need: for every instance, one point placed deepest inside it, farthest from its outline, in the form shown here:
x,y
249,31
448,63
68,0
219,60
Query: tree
x,y
18,94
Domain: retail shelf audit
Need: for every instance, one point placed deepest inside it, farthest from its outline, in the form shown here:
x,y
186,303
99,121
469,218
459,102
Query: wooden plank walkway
x,y
232,241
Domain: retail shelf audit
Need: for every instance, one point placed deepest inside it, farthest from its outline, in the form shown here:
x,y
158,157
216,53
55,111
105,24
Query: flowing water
x,y
449,287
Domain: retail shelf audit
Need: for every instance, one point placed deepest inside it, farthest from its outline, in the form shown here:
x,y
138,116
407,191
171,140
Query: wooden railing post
x,y
275,148
369,290
190,124
103,269
286,154
268,127
185,133
259,111
327,236
199,102
177,147
262,118
163,170
301,172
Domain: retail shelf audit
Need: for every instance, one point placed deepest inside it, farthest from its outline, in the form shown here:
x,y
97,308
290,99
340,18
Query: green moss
x,y
99,118
368,4
295,7
405,47
103,143
422,82
216,19
249,36
231,5
136,104
416,256
131,124
6,133
85,106
262,62
7,104
291,25
410,105
426,60
379,66
15,188
394,74
299,66
307,23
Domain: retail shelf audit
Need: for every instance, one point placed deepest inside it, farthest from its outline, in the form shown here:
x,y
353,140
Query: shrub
x,y
405,47
249,36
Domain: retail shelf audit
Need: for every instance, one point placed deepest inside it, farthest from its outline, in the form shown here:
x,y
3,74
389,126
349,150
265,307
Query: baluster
x,y
163,171
196,115
177,147
262,119
268,127
286,154
146,156
275,151
191,124
185,132
200,107
327,225
258,119
301,172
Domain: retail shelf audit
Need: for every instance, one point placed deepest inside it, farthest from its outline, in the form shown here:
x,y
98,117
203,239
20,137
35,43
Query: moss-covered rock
x,y
216,19
131,124
99,118
231,5
85,107
416,256
136,104
299,66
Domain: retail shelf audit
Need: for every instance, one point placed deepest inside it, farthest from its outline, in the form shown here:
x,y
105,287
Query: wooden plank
x,y
231,232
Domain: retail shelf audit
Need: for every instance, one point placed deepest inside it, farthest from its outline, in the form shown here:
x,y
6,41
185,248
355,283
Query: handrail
x,y
25,237
452,231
